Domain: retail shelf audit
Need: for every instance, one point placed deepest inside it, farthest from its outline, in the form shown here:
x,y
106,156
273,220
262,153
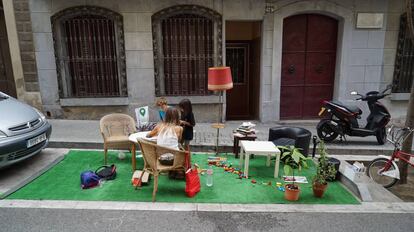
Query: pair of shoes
x,y
171,174
177,175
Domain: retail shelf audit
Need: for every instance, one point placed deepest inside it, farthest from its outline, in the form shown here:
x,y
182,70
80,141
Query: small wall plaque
x,y
370,20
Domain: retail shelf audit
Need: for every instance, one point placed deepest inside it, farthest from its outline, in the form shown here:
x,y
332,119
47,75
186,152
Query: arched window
x,y
89,50
187,40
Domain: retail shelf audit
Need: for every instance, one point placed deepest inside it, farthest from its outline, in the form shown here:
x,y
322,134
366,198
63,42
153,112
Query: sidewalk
x,y
85,134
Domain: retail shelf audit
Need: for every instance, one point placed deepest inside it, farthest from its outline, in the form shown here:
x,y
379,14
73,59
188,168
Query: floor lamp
x,y
219,79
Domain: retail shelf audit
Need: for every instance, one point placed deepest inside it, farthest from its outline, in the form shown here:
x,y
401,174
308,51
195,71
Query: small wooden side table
x,y
237,137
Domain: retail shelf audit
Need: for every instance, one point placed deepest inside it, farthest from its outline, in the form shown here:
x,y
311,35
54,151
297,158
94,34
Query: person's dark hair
x,y
172,116
185,104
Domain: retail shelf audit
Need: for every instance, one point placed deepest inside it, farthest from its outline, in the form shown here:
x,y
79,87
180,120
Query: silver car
x,y
24,131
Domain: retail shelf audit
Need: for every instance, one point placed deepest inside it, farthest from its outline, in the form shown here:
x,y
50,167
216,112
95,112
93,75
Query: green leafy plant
x,y
293,159
324,170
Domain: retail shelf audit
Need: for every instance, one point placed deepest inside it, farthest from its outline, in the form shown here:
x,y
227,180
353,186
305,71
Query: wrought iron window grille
x,y
89,52
187,40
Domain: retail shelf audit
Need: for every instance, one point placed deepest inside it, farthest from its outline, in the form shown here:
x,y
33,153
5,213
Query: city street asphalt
x,y
36,219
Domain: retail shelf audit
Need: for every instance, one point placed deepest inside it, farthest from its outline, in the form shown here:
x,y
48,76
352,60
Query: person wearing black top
x,y
187,122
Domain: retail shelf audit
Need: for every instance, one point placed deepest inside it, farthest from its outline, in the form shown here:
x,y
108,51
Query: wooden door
x,y
238,101
6,74
308,64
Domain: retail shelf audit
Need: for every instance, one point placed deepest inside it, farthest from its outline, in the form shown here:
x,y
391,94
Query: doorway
x,y
243,46
308,64
7,85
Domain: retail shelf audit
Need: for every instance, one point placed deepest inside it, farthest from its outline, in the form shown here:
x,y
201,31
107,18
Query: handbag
x,y
106,172
192,180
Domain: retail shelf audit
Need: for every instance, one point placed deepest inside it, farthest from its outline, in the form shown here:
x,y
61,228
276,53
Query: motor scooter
x,y
340,119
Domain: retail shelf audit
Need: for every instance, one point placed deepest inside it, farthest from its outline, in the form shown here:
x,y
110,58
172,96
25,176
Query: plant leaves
x,y
287,169
296,156
283,148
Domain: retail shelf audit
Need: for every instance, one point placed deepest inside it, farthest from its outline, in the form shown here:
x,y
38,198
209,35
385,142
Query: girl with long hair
x,y
187,121
169,131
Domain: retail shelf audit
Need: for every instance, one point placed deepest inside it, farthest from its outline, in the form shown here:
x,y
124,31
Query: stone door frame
x,y
345,22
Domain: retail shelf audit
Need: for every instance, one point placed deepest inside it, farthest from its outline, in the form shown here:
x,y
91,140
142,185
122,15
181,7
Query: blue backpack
x,y
89,179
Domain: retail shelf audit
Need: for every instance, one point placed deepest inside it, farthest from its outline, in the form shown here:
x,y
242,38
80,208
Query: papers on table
x,y
140,135
298,179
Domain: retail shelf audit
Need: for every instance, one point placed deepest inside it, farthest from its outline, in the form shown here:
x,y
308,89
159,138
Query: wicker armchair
x,y
115,129
151,152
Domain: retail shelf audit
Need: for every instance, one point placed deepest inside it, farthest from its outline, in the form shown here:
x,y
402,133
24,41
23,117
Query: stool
x,y
237,137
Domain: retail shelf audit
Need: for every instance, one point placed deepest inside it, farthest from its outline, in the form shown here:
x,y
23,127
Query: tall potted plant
x,y
292,158
324,171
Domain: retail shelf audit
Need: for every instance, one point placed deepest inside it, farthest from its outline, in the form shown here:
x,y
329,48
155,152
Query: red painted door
x,y
308,64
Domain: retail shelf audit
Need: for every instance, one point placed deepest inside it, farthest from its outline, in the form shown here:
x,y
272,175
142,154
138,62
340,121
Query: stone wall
x,y
365,57
138,51
398,108
27,52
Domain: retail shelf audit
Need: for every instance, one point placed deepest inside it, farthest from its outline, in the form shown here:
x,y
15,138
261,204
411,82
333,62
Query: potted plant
x,y
292,158
324,171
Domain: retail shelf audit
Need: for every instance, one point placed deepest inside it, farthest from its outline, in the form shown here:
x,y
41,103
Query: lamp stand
x,y
219,125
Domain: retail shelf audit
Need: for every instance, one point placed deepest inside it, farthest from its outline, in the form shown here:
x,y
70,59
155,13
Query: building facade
x,y
82,59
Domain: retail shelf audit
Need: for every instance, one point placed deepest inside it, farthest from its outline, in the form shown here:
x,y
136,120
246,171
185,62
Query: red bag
x,y
192,182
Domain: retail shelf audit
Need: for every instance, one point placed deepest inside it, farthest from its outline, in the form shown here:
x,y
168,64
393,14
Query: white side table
x,y
264,148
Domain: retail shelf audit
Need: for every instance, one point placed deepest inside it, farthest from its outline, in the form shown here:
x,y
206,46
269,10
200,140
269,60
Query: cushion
x,y
166,159
284,142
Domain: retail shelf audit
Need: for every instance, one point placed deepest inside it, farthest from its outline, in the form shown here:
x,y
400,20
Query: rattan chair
x,y
115,129
151,152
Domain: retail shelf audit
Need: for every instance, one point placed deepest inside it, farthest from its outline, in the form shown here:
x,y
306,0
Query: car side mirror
x,y
354,93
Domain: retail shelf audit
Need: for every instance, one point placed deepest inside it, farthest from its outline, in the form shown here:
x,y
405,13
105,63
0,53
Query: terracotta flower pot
x,y
291,194
319,189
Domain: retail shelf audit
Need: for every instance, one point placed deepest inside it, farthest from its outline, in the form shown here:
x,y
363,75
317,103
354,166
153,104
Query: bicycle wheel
x,y
374,169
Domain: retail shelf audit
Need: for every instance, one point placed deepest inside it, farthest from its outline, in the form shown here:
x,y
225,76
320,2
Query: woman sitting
x,y
169,131
169,134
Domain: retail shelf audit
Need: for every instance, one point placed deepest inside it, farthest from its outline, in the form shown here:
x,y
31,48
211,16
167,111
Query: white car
x,y
24,131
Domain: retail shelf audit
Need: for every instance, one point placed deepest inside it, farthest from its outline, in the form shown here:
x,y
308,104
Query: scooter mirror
x,y
354,93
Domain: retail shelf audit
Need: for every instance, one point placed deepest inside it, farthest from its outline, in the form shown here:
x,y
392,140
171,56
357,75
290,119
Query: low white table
x,y
264,148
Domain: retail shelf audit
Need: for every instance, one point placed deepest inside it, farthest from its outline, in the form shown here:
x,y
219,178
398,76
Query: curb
x,y
365,207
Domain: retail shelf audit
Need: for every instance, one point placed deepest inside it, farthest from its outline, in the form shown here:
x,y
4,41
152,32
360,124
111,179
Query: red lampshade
x,y
219,78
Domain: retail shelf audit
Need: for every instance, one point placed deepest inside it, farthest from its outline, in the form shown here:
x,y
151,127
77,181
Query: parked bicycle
x,y
384,170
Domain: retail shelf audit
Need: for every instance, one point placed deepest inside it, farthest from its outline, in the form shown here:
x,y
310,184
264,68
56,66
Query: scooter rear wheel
x,y
325,132
381,136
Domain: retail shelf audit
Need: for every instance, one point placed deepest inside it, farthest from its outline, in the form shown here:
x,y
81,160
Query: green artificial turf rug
x,y
62,182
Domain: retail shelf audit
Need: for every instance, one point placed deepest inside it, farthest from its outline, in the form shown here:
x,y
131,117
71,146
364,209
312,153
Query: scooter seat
x,y
353,109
